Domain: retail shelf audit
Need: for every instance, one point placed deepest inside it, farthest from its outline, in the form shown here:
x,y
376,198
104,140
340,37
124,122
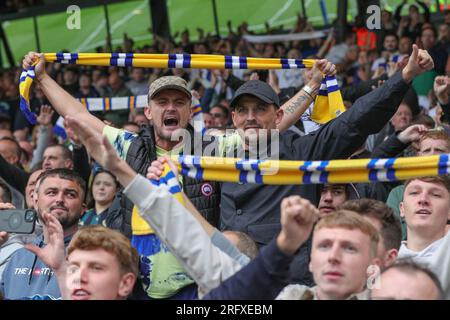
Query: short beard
x,y
66,221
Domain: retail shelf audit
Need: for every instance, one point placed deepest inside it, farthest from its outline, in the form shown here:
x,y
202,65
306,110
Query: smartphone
x,y
17,221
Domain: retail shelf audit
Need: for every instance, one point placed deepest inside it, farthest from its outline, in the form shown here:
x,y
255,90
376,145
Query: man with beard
x,y
59,192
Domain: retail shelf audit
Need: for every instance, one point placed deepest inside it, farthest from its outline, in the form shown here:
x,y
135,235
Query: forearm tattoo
x,y
296,103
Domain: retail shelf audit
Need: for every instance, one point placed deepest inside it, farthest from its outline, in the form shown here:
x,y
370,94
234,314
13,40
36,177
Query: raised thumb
x,y
415,52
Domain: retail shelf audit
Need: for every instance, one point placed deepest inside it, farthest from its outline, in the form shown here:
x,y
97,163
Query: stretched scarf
x,y
329,103
311,172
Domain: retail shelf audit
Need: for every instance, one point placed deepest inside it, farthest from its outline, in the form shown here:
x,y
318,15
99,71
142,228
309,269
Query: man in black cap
x,y
254,208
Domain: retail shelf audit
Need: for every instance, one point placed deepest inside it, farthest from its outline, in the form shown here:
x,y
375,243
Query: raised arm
x,y
264,277
426,10
53,254
154,172
62,101
397,142
441,89
339,138
182,233
297,105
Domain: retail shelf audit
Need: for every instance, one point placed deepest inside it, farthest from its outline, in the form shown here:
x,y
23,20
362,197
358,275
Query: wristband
x,y
308,90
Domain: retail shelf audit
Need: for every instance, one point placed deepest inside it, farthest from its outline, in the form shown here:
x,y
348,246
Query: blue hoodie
x,y
26,276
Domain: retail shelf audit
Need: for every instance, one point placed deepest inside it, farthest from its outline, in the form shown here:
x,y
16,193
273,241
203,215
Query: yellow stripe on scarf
x,y
282,172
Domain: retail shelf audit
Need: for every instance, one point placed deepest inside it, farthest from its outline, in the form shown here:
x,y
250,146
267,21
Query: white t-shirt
x,y
422,257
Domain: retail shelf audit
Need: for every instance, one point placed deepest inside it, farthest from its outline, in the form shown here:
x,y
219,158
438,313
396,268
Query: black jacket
x,y
204,195
255,209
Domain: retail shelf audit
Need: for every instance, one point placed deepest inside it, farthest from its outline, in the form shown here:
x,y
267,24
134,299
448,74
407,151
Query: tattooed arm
x,y
297,105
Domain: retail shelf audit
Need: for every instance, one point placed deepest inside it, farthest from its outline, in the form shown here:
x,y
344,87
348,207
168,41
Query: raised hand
x,y
412,133
379,84
419,62
53,253
254,76
73,136
96,145
156,169
195,94
298,216
45,116
321,68
441,88
35,58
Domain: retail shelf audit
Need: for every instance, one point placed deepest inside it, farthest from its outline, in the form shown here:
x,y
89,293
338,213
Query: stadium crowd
x,y
106,232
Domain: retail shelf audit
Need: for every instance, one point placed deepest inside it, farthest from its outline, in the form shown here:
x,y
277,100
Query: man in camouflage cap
x,y
169,101
169,109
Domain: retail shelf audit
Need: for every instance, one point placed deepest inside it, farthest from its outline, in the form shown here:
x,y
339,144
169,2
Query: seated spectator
x,y
116,86
338,52
412,23
70,80
429,41
405,45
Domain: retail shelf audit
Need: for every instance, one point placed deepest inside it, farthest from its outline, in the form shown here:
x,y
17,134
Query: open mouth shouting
x,y
171,121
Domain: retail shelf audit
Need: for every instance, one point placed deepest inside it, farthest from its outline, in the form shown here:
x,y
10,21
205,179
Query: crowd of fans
x,y
395,87
10,6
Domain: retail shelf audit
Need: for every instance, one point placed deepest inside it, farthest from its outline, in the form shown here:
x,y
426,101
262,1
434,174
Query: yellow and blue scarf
x,y
328,103
283,172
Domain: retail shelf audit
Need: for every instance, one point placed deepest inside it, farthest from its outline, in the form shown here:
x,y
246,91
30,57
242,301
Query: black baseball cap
x,y
259,89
